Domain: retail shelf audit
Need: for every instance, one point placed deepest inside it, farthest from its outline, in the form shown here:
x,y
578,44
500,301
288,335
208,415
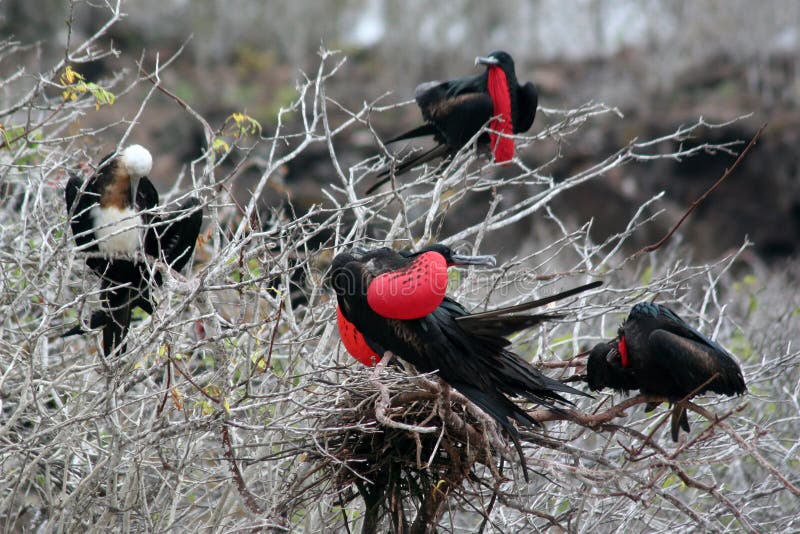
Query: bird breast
x,y
116,229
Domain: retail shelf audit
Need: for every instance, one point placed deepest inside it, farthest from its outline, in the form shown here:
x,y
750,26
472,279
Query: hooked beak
x,y
486,261
486,60
358,250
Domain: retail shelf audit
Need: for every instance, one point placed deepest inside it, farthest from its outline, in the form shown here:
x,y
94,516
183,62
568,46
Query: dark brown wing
x,y
691,363
527,100
459,118
172,235
79,203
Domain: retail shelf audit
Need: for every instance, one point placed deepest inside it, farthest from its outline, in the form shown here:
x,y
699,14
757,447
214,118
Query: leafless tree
x,y
236,408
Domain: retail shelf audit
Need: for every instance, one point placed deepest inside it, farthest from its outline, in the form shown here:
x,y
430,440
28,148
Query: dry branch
x,y
235,408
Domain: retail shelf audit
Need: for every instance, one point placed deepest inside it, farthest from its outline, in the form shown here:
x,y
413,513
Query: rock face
x,y
760,200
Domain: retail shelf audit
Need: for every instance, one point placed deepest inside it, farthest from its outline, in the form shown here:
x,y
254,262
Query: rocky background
x,y
235,407
662,64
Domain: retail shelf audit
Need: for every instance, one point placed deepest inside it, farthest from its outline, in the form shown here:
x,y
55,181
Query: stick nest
x,y
404,442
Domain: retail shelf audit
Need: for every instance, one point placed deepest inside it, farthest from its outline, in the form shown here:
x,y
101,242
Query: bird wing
x,y
79,204
146,195
172,236
457,109
412,291
670,321
677,325
693,362
460,117
430,97
527,100
462,357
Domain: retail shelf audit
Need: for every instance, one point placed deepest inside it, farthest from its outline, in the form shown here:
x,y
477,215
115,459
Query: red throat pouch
x,y
622,347
502,147
354,342
411,293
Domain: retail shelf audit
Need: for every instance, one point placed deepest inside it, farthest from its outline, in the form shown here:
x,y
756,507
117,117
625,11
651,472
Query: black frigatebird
x,y
454,111
658,353
112,219
396,302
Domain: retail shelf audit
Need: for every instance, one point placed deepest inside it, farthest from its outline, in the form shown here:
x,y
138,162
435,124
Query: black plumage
x,y
107,215
658,353
455,110
468,351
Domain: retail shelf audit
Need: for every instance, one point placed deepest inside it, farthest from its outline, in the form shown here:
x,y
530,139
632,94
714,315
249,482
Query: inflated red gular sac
x,y
411,291
501,145
354,342
405,286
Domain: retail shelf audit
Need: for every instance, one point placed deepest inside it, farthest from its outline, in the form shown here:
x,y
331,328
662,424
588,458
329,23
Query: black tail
x,y
475,317
385,175
502,410
119,304
98,320
419,131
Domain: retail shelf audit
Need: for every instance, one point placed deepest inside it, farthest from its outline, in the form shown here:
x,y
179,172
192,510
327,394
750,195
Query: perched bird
x,y
390,301
454,111
111,218
657,353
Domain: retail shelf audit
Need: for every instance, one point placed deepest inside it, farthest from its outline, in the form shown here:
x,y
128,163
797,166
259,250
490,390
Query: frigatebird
x,y
455,110
396,302
658,353
112,219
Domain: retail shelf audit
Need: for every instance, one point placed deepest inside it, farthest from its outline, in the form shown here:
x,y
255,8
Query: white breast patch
x,y
116,230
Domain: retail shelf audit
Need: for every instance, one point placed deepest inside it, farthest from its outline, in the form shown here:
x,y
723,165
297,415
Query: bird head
x,y
604,368
138,162
339,277
497,58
